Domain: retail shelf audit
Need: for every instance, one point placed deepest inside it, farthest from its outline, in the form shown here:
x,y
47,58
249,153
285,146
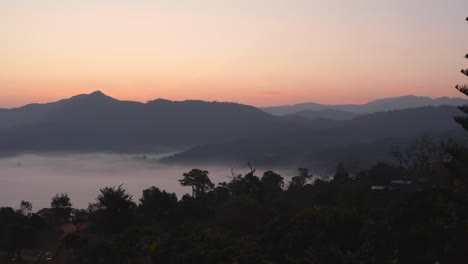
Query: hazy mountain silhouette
x,y
217,132
63,109
386,104
331,114
98,122
366,138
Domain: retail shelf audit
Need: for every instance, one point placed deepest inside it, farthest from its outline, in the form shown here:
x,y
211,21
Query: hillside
x,y
367,138
214,132
99,122
331,114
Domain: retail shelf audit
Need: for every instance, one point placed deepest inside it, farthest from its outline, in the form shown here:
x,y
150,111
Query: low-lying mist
x,y
38,177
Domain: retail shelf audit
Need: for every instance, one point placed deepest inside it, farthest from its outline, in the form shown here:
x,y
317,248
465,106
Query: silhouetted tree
x,y
463,120
114,208
251,184
341,175
459,164
248,184
272,185
297,182
157,204
25,208
61,207
272,181
198,180
16,232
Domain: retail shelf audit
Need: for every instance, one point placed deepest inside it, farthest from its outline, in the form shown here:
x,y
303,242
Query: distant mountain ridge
x,y
386,104
331,114
367,138
220,132
98,122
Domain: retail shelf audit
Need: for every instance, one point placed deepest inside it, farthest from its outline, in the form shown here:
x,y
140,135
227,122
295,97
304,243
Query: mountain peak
x,y
160,100
94,97
97,93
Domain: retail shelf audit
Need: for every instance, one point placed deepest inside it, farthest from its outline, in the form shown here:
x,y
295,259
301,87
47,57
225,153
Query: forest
x,y
412,211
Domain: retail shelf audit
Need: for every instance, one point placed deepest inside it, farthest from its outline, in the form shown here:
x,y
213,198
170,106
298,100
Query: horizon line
x,y
188,99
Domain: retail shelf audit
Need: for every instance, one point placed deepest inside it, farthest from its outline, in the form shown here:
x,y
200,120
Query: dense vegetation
x,y
415,211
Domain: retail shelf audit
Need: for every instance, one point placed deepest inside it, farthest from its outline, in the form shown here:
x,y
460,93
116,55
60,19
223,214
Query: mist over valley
x,y
84,143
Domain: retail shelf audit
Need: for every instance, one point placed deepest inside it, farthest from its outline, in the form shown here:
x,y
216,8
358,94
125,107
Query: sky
x,y
257,52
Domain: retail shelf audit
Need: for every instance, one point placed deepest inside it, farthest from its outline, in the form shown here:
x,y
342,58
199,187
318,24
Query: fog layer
x,y
38,177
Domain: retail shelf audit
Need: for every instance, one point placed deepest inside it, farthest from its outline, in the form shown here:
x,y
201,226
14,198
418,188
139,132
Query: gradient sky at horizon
x,y
258,52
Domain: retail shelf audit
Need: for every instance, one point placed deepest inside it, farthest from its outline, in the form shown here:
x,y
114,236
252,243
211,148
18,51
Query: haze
x,y
38,177
254,52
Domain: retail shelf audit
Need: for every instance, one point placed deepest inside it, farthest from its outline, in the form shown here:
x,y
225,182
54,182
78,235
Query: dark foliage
x,y
463,120
61,207
114,209
414,218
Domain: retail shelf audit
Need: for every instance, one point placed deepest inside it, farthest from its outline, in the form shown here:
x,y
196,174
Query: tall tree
x,y
297,182
114,208
272,185
463,120
157,204
198,180
25,208
459,164
61,207
272,181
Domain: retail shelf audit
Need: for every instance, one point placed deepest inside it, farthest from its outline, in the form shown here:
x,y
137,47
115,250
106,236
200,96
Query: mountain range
x,y
216,132
98,122
386,104
332,114
366,139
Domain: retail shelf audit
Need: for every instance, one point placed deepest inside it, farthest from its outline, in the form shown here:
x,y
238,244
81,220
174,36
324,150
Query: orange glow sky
x,y
256,52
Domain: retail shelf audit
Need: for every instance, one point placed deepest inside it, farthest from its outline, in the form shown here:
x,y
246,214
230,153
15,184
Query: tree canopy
x,y
198,180
463,120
